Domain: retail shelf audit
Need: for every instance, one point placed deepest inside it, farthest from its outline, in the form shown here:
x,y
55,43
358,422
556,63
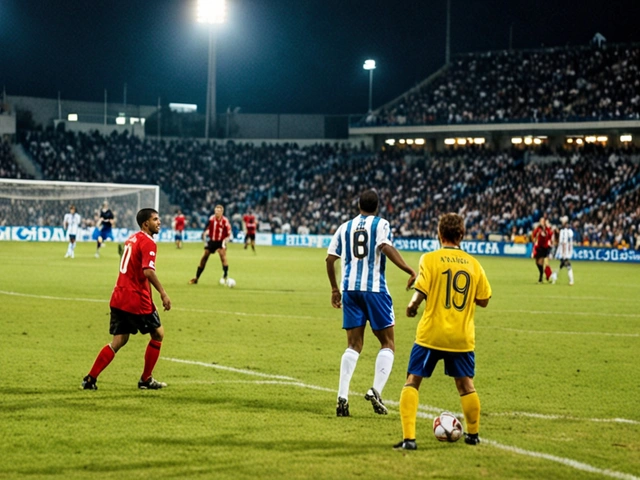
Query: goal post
x,y
44,203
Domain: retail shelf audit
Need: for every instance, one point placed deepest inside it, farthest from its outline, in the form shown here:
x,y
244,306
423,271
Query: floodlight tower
x,y
211,13
371,66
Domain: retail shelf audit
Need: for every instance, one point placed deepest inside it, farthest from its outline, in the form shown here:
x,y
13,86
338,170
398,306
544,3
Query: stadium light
x,y
419,141
211,12
626,138
371,66
449,141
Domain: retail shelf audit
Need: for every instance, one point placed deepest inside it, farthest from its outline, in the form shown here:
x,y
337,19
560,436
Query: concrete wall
x,y
136,129
45,110
7,124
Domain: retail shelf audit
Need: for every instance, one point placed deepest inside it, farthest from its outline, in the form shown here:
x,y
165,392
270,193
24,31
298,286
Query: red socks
x,y
102,361
547,272
150,358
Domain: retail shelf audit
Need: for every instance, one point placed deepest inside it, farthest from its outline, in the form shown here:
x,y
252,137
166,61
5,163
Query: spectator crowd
x,y
549,85
313,189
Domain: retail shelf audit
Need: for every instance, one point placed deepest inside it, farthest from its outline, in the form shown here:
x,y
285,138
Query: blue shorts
x,y
423,361
358,307
178,235
103,233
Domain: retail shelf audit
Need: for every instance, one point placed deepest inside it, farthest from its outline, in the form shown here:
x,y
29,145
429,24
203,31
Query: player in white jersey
x,y
564,251
71,224
363,245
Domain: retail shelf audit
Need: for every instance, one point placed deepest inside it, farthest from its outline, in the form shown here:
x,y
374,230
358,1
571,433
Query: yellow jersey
x,y
452,280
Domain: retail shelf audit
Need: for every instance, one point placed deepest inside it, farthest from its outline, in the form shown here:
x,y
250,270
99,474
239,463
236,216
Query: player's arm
x,y
482,303
414,303
336,298
155,281
395,256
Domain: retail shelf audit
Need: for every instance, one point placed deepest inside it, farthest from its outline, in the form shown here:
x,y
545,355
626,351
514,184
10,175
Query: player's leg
x,y
246,240
104,358
547,268
422,361
73,245
569,271
348,363
151,355
384,365
253,243
539,264
225,265
470,408
409,399
381,317
461,366
201,265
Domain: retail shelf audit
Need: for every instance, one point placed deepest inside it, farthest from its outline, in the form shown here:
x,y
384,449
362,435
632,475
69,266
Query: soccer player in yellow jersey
x,y
452,283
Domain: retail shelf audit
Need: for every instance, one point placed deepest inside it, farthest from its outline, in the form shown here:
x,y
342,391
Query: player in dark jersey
x,y
106,223
219,231
132,308
250,225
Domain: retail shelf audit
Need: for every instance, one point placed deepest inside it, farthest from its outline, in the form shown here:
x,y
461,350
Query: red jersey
x,y
179,222
542,236
250,223
132,292
219,229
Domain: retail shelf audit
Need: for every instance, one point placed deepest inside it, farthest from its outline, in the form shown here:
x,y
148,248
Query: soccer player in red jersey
x,y
219,231
132,308
178,226
542,237
250,225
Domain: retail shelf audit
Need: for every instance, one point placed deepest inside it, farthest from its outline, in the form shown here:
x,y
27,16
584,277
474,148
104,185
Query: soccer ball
x,y
231,282
447,428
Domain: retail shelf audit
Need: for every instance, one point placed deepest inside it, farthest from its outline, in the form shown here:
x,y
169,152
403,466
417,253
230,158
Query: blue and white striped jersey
x,y
565,244
357,243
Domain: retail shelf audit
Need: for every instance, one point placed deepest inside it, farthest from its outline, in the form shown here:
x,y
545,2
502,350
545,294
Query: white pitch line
x,y
545,456
558,312
307,317
585,467
559,332
47,297
563,417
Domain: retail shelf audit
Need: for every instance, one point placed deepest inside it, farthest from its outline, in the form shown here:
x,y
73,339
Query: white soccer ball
x,y
447,428
231,282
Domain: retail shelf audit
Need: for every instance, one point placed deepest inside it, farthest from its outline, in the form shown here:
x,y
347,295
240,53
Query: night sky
x,y
274,56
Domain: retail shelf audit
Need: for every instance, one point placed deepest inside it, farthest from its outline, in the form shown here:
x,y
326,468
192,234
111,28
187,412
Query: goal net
x,y
44,203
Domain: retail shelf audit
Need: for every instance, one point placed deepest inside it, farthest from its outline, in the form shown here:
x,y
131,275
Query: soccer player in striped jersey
x,y
363,244
452,283
71,224
219,232
565,250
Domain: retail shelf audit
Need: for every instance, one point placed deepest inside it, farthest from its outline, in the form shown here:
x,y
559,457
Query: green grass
x,y
555,366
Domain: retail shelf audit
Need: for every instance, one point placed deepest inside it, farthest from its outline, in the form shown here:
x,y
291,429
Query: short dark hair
x,y
144,215
451,228
368,201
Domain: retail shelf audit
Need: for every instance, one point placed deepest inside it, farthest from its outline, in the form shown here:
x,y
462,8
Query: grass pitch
x,y
253,373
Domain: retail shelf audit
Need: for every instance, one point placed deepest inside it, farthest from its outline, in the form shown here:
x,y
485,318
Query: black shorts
x,y
124,322
542,252
213,246
250,236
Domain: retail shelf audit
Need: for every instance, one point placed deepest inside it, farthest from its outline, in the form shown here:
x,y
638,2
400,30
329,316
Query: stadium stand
x,y
313,189
550,85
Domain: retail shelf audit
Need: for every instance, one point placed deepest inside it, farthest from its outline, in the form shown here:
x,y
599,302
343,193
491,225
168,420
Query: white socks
x,y
347,367
384,364
570,273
